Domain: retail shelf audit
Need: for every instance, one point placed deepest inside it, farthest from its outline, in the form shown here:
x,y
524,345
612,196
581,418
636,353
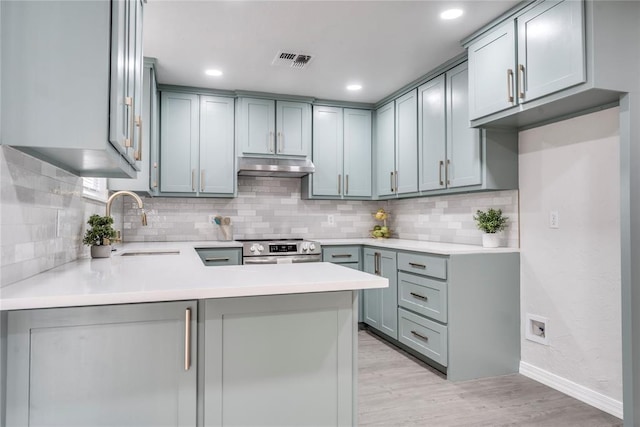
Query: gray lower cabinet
x,y
381,305
122,365
283,360
461,313
350,257
220,256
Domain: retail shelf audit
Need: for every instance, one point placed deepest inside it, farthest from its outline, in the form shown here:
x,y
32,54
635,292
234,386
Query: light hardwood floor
x,y
396,389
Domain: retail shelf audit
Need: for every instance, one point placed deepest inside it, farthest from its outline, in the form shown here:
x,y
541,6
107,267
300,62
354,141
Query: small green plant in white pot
x,y
490,222
99,236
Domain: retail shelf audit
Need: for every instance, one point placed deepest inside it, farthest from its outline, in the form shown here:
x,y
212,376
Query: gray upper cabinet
x,y
278,128
492,60
551,57
432,134
147,180
121,365
178,142
406,173
341,152
385,149
397,146
216,154
450,152
464,159
196,145
104,65
546,66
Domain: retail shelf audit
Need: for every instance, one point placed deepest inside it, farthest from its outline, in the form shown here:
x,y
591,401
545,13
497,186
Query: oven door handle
x,y
274,260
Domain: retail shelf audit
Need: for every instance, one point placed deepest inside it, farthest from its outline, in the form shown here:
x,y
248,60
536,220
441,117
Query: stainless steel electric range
x,y
284,251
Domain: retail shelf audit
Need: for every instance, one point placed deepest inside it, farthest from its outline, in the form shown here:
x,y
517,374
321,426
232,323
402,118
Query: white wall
x,y
571,275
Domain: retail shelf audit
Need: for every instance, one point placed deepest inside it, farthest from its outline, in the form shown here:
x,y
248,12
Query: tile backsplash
x,y
33,195
271,207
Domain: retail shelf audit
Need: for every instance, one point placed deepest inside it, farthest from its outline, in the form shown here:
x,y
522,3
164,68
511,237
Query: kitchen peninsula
x,y
158,338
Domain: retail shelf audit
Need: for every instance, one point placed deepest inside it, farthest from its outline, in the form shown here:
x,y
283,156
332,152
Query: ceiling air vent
x,y
291,60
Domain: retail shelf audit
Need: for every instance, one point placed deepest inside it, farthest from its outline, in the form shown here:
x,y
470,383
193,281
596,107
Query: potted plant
x,y
490,222
99,236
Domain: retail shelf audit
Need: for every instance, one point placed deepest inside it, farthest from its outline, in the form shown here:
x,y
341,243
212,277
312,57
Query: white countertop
x,y
147,278
417,246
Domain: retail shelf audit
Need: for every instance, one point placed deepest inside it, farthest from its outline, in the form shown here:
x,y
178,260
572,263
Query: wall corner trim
x,y
575,390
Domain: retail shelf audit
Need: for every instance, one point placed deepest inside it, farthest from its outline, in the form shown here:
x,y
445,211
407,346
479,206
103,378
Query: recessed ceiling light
x,y
214,73
354,87
451,14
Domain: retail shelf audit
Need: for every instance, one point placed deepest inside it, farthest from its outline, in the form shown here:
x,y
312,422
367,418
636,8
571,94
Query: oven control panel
x,y
280,248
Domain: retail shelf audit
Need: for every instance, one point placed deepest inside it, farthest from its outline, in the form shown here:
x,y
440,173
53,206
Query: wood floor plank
x,y
395,389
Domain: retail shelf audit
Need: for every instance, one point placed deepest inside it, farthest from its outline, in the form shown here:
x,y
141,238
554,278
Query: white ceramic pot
x,y
490,240
101,251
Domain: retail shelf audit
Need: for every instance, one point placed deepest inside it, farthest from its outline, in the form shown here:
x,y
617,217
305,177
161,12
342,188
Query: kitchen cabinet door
x,y
256,126
87,49
551,48
293,128
122,365
432,134
147,177
492,72
464,159
357,153
179,142
216,154
381,305
327,150
385,149
279,360
406,173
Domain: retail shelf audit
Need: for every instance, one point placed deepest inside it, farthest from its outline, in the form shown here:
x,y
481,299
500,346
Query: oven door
x,y
289,259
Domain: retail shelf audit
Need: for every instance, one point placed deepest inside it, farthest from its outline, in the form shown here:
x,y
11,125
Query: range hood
x,y
287,168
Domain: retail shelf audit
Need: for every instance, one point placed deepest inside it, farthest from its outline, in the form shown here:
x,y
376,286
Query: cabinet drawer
x,y
341,254
423,335
222,256
427,265
424,296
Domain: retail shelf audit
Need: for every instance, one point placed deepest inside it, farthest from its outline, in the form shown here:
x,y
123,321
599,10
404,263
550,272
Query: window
x,y
95,188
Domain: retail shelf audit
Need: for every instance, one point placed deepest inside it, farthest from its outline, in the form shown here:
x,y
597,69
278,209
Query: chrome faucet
x,y
127,193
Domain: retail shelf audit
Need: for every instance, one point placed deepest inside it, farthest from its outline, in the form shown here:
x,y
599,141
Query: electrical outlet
x,y
331,220
537,329
554,219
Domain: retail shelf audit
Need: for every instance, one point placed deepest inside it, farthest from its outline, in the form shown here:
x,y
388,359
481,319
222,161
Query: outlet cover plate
x,y
532,331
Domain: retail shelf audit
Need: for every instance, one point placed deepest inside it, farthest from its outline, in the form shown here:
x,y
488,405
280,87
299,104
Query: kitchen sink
x,y
150,252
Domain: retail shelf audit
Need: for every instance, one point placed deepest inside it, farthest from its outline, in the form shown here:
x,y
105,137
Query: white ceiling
x,y
381,45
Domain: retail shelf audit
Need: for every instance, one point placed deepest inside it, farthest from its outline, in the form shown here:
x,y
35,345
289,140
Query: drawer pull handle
x,y
521,82
216,259
422,297
187,339
509,85
414,333
414,265
340,255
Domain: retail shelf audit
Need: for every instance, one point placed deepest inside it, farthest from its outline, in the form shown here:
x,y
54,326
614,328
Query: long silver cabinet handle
x,y
346,184
187,339
396,181
392,190
212,259
521,81
138,154
446,172
440,166
339,183
128,101
340,255
271,142
419,335
422,297
279,143
510,85
414,265
202,180
193,180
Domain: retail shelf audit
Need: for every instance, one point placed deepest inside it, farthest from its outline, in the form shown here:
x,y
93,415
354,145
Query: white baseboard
x,y
582,393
